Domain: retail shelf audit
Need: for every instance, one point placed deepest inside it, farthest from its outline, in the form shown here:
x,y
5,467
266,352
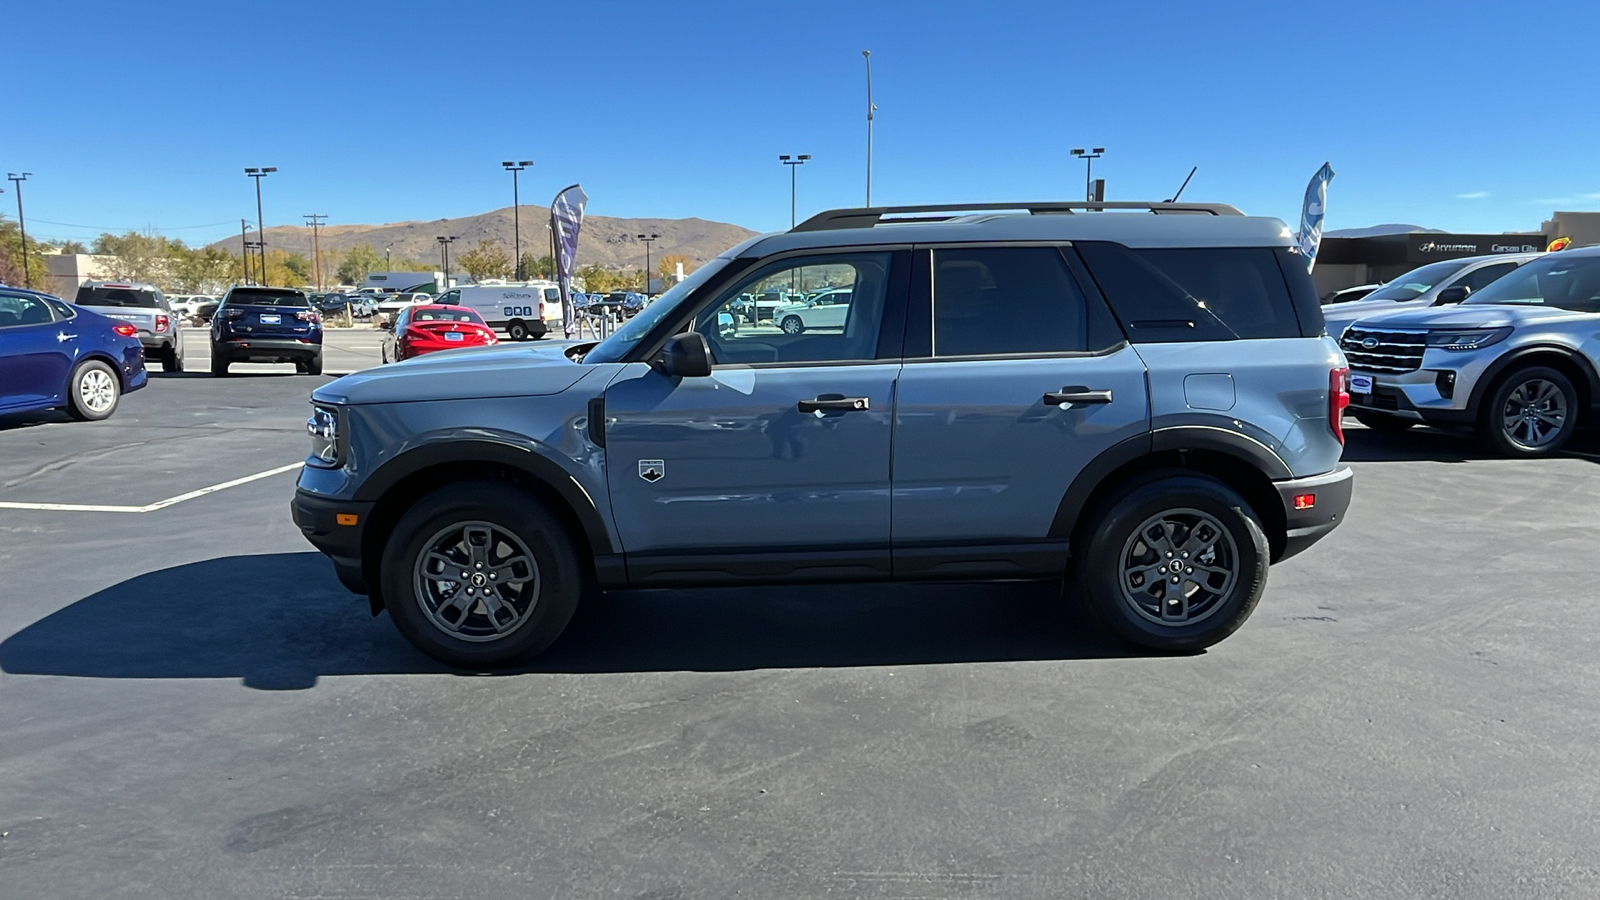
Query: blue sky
x,y
1467,116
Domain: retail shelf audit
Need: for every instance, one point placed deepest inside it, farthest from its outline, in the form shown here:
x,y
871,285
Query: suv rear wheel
x,y
479,575
1531,412
1176,561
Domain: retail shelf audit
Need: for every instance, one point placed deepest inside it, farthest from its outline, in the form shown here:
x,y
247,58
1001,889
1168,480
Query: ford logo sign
x,y
1370,343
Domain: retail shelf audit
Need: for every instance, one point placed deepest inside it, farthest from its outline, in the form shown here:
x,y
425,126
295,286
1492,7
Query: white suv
x,y
827,309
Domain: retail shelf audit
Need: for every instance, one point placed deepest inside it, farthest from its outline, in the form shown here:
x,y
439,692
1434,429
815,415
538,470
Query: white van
x,y
519,309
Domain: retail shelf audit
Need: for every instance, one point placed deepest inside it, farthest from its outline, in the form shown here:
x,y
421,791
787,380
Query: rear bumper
x,y
267,349
317,518
1307,526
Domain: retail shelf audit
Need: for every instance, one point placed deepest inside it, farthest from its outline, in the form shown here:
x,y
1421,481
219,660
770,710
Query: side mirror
x,y
1452,295
685,356
387,324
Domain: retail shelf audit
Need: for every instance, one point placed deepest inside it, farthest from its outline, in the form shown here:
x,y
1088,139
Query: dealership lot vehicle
x,y
517,309
1349,294
1516,361
143,307
264,324
826,309
1171,368
434,327
390,306
1435,284
55,355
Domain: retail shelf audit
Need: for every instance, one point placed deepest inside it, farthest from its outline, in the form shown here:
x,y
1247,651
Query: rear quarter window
x,y
1204,294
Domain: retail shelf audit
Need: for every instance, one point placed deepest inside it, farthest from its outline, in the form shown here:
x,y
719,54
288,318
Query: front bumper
x,y
1305,527
318,519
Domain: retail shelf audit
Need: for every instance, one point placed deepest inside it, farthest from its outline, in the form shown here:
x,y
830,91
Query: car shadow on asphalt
x,y
281,621
1438,445
10,421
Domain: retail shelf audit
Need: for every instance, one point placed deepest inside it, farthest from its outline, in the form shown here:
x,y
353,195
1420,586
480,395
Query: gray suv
x,y
1517,360
1142,404
144,307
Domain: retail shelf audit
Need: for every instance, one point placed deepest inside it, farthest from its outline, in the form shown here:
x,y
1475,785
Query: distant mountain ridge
x,y
611,242
1379,230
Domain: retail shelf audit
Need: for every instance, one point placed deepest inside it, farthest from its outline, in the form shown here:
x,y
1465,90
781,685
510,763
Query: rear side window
x,y
1196,294
1003,300
254,296
63,311
116,296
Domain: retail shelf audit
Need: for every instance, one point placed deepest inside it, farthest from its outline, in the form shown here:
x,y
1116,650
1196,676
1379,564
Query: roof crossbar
x,y
867,217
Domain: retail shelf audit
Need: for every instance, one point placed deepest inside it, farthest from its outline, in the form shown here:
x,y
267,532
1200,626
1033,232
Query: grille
x,y
1395,351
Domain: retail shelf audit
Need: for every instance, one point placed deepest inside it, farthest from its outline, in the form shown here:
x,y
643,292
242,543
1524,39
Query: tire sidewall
x,y
560,575
75,397
517,331
1099,570
1491,417
799,326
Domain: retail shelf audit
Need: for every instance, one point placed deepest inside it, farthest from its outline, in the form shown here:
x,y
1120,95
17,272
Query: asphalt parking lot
x,y
193,707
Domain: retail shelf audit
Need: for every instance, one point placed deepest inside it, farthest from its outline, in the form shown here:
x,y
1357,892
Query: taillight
x,y
162,323
124,329
1338,399
230,313
307,315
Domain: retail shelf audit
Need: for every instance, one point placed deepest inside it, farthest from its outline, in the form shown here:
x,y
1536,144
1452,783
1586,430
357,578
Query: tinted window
x,y
1570,282
1210,294
424,314
63,311
255,296
739,334
117,296
1417,282
21,309
1006,300
1478,279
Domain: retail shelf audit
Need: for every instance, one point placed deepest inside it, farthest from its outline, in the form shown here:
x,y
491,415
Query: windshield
x,y
266,297
1568,282
1417,282
117,296
622,340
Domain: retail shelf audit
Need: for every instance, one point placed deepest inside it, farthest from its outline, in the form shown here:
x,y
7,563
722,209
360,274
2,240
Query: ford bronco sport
x,y
1141,403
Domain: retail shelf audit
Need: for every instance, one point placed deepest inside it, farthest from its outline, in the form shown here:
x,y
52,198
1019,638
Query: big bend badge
x,y
652,470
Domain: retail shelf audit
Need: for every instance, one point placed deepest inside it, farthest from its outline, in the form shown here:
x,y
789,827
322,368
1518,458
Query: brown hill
x,y
604,240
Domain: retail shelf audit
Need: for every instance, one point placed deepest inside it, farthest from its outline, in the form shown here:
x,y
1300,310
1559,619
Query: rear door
x,y
1015,379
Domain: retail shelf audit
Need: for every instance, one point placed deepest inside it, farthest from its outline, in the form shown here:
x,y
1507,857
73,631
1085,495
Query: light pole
x,y
793,163
516,211
444,247
1088,177
867,55
261,231
388,264
22,225
316,219
648,240
244,248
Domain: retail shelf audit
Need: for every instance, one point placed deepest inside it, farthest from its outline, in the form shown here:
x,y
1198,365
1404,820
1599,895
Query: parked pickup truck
x,y
143,307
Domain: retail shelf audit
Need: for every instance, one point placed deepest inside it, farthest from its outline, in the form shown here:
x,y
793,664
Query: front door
x,y
775,466
36,351
1024,382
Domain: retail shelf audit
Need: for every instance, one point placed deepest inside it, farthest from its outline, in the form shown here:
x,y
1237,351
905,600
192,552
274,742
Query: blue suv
x,y
1140,403
266,324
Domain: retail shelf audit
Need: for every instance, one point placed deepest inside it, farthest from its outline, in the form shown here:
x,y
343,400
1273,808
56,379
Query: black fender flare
x,y
1499,366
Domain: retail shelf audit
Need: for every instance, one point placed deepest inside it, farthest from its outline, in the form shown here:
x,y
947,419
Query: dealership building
x,y
1348,261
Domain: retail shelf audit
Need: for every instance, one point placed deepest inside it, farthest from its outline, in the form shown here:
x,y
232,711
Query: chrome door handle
x,y
834,402
1076,394
62,337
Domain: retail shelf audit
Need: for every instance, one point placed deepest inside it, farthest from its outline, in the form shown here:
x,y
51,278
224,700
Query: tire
x,y
93,392
792,325
313,366
1381,422
219,364
504,518
1513,426
171,361
517,330
1183,507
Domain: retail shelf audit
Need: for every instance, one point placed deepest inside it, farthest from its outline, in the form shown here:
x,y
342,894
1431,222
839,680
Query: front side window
x,y
1569,282
1417,282
1006,300
787,326
17,310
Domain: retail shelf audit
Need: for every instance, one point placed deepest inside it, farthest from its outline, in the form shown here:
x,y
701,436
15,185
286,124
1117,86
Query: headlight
x,y
1467,338
323,426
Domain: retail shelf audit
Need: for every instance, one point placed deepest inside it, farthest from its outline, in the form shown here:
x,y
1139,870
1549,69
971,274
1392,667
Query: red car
x,y
434,326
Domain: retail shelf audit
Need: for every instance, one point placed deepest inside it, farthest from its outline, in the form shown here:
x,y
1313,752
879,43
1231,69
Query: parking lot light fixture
x,y
1088,156
648,239
22,224
793,162
444,249
516,212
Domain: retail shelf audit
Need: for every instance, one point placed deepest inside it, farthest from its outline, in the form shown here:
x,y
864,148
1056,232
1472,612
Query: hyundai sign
x,y
1426,248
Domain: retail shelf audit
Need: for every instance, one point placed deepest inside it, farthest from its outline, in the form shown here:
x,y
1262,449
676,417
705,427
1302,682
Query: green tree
x,y
597,278
667,268
538,267
361,259
204,270
135,256
72,247
38,273
486,260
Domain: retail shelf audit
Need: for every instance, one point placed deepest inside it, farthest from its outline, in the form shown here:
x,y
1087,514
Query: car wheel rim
x,y
791,325
96,390
476,581
1534,414
1178,567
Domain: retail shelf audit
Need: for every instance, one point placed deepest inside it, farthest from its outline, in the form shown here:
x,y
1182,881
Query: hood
x,y
1339,315
505,370
1471,315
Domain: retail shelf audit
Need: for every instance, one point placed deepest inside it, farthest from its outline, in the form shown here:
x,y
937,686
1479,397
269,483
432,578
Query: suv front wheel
x,y
1174,562
1531,412
479,575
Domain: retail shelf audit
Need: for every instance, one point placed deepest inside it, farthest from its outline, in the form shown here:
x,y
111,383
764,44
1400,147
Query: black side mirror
x,y
1452,295
685,356
386,324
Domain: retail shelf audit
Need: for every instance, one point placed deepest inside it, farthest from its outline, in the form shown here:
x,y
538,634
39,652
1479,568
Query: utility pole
x,y
316,219
387,262
648,239
793,163
867,55
516,212
261,230
444,248
244,248
22,225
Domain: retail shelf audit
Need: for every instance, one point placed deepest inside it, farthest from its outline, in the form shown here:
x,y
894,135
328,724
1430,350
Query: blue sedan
x,y
54,355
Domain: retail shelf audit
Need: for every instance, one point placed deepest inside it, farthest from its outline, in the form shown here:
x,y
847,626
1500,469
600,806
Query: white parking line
x,y
159,504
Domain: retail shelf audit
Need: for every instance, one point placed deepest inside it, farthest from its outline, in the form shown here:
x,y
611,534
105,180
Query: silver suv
x,y
144,307
1517,360
1442,283
1142,404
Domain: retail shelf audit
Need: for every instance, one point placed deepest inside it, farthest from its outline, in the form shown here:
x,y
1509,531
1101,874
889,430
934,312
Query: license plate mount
x,y
1361,384
452,335
271,319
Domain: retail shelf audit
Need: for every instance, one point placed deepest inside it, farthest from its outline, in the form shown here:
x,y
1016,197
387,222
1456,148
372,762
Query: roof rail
x,y
866,217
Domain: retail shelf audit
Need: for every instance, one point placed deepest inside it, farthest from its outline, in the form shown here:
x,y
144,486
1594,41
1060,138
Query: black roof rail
x,y
866,217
